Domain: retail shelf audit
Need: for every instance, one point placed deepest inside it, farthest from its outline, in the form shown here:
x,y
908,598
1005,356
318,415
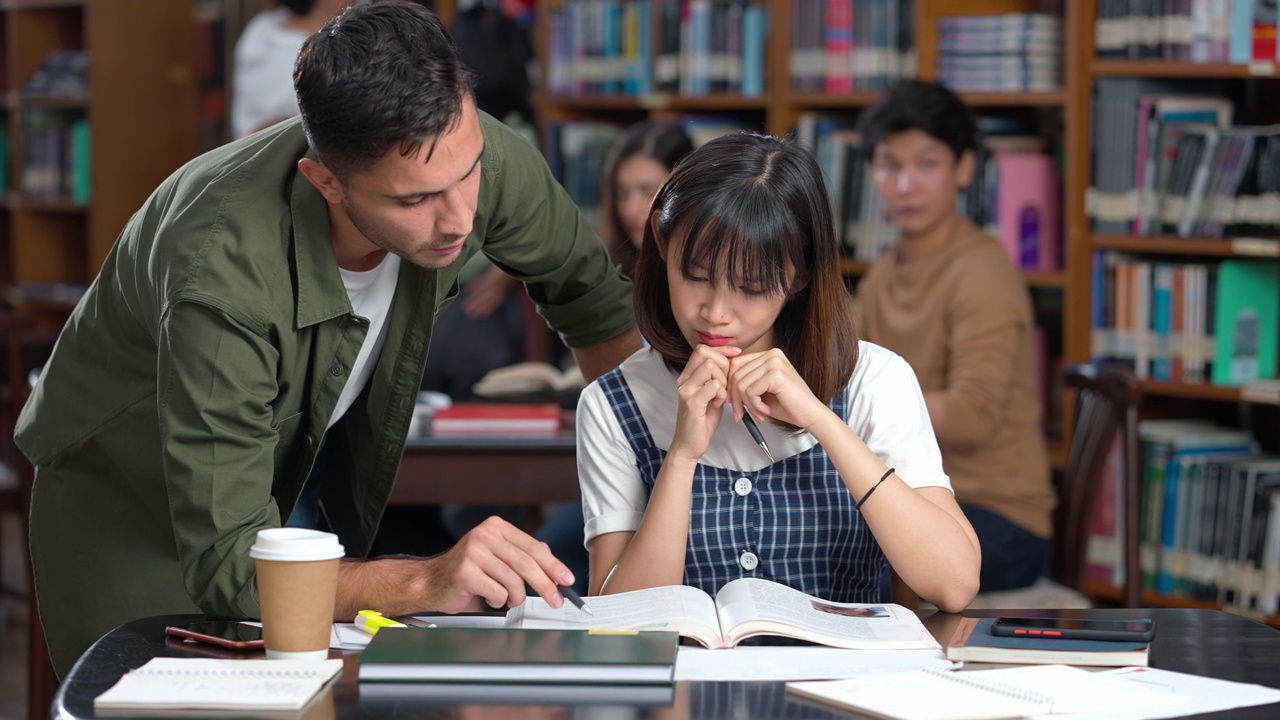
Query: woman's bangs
x,y
740,248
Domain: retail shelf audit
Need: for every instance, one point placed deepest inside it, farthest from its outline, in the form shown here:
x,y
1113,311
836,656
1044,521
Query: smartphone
x,y
223,633
1075,628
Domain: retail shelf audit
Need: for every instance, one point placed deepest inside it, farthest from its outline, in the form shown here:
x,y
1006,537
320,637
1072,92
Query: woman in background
x,y
638,164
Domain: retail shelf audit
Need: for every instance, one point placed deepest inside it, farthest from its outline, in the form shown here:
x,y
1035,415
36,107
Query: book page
x,y
749,606
679,608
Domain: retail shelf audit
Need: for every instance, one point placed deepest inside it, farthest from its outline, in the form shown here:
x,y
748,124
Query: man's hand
x,y
494,562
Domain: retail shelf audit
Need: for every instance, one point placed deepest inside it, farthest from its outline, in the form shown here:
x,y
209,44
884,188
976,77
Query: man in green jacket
x,y
275,297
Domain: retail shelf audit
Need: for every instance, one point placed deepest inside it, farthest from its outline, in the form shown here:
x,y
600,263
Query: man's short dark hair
x,y
919,105
377,77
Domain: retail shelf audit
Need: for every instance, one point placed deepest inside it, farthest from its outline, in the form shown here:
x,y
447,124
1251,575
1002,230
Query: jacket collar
x,y
321,294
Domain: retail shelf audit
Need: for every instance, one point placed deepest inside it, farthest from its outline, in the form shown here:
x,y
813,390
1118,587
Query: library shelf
x,y
822,101
1044,98
1106,591
1057,450
38,4
1194,391
49,204
1170,245
75,102
657,101
1166,69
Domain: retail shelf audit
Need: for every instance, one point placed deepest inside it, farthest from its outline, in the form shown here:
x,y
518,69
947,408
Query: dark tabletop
x,y
1203,642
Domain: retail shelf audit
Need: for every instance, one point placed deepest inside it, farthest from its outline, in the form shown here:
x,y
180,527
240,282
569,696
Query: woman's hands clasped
x,y
764,384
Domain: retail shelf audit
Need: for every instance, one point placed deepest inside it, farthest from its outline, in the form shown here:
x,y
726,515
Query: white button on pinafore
x,y
743,486
749,561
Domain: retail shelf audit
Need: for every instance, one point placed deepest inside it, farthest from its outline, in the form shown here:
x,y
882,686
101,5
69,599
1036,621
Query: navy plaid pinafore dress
x,y
792,522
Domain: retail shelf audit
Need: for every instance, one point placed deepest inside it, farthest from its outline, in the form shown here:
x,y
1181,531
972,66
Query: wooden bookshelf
x,y
139,106
1187,70
1210,247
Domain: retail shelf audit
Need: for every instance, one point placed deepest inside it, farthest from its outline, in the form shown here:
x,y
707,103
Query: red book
x,y
497,419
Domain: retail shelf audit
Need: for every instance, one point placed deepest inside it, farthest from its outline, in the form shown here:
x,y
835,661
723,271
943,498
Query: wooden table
x,y
512,470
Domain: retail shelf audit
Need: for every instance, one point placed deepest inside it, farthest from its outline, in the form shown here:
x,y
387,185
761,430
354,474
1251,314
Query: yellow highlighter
x,y
371,621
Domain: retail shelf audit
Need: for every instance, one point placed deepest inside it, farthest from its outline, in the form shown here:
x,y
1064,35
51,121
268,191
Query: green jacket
x,y
188,394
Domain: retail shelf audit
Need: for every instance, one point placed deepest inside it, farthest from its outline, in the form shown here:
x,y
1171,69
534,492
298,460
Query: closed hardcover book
x,y
497,419
973,642
495,655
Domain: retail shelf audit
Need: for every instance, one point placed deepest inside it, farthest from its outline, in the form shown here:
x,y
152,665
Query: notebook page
x,y
928,694
1072,690
205,684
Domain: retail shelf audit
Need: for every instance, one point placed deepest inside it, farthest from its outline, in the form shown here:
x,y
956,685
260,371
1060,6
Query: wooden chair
x,y
1107,404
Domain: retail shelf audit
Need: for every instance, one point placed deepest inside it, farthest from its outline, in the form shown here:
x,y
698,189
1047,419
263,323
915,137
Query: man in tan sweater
x,y
949,301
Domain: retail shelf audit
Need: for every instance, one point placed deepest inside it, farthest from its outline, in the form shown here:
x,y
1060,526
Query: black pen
x,y
574,598
756,435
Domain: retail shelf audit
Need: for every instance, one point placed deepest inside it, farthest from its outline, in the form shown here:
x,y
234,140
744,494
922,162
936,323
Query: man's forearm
x,y
596,360
391,585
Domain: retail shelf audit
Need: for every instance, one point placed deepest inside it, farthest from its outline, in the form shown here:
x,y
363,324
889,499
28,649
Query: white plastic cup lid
x,y
296,545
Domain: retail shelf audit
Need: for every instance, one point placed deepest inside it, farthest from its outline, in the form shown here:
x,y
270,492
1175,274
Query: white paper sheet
x,y
798,663
1207,695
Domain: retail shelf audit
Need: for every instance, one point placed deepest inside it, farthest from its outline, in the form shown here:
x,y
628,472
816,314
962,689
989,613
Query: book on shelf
x,y
744,608
497,419
502,655
181,685
1248,321
973,642
936,694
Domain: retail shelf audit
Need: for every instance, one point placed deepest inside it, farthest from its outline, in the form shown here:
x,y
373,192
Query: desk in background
x,y
1203,642
513,470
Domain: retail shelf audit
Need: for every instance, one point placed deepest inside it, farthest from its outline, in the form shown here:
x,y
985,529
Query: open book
x,y
522,380
743,608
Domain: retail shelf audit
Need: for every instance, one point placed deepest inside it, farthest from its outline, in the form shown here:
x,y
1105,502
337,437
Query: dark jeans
x,y
1012,557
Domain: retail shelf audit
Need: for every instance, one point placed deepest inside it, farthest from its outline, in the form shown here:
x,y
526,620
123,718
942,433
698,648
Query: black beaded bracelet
x,y
887,473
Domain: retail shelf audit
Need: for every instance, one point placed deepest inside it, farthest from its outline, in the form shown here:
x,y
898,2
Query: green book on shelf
x,y
1247,320
496,655
81,162
4,160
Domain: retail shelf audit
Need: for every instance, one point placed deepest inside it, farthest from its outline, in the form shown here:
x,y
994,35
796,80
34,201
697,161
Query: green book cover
x,y
4,159
1247,321
522,656
81,162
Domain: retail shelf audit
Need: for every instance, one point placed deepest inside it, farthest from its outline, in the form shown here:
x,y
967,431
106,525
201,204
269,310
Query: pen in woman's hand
x,y
756,435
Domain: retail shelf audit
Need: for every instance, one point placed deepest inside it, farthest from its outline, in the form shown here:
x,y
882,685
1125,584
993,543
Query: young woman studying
x,y
738,291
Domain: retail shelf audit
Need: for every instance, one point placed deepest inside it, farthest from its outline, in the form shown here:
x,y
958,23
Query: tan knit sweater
x,y
962,319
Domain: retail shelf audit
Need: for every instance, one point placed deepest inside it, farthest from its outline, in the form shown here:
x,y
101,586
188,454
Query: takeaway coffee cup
x,y
297,587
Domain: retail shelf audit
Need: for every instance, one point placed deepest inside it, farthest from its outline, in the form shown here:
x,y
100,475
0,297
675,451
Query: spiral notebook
x,y
225,685
936,694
